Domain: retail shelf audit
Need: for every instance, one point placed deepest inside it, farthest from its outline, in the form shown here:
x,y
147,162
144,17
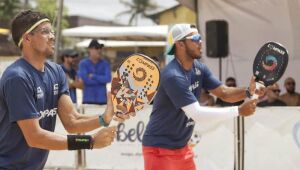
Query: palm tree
x,y
137,8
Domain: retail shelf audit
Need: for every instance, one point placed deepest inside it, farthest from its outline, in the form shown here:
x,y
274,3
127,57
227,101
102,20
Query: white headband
x,y
32,28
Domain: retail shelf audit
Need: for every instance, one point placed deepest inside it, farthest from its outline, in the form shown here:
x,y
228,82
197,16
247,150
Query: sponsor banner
x,y
272,141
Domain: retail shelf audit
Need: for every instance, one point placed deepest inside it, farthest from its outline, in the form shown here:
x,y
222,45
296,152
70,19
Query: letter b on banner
x,y
217,38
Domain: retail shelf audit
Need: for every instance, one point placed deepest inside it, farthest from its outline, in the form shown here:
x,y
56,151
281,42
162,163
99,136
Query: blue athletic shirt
x,y
94,91
168,126
26,93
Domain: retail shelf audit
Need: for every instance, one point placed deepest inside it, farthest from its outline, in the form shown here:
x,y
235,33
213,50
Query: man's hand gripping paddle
x,y
134,84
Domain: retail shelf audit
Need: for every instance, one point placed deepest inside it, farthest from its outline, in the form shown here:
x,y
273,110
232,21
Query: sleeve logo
x,y
55,89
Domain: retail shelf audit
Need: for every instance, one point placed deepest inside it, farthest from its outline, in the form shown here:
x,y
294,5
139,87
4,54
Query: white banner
x,y
272,141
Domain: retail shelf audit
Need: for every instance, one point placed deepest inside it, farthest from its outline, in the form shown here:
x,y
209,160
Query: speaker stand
x,y
220,68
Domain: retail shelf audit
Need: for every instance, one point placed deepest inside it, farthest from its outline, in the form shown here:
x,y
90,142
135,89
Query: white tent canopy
x,y
111,43
119,33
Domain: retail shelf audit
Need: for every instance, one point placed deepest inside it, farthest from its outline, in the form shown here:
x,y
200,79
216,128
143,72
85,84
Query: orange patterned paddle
x,y
134,84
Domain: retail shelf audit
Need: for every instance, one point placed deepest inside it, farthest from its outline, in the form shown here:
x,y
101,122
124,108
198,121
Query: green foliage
x,y
8,9
50,8
136,8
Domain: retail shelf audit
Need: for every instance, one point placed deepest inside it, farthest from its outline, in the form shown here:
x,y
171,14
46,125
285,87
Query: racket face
x,y
270,63
134,83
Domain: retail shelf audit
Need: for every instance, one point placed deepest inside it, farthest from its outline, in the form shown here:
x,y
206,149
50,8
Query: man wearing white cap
x,y
32,92
176,108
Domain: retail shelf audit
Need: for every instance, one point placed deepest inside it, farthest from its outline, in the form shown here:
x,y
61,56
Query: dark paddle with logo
x,y
270,64
134,84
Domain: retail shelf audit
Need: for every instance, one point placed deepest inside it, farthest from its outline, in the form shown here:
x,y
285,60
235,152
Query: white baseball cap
x,y
178,32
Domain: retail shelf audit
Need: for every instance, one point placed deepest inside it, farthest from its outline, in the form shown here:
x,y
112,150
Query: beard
x,y
291,91
193,53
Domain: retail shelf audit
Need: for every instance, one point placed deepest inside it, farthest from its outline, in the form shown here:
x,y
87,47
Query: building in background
x,y
175,14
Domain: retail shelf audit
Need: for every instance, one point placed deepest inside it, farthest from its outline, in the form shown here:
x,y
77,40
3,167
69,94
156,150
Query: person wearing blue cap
x,y
96,73
176,107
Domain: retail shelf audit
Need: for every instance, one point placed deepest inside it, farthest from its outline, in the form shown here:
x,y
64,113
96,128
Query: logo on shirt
x,y
190,122
48,113
40,93
198,72
194,86
55,89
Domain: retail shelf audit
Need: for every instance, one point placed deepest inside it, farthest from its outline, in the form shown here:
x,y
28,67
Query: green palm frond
x,y
137,7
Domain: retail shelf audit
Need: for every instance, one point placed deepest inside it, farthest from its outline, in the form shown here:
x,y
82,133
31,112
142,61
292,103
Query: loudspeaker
x,y
217,38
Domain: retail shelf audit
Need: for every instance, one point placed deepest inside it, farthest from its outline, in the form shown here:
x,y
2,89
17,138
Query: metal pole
x,y
220,68
58,29
239,143
25,6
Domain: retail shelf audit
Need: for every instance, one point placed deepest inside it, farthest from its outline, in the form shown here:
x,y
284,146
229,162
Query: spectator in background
x,y
206,99
96,73
230,82
291,97
68,57
272,94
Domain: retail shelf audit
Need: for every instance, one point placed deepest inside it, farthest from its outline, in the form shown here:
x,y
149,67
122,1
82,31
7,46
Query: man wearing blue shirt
x,y
32,92
176,108
95,73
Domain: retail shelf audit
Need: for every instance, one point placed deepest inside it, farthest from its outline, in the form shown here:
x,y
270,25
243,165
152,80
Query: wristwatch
x,y
102,121
248,94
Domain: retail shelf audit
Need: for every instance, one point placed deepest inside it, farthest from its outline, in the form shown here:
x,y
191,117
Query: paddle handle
x,y
113,122
258,85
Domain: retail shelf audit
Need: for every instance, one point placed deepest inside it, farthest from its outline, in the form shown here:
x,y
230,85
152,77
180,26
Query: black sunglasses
x,y
276,91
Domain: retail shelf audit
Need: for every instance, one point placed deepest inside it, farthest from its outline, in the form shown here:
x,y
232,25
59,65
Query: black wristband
x,y
248,94
80,142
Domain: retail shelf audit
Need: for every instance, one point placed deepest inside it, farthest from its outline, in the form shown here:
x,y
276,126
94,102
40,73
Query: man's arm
x,y
84,74
235,94
229,94
203,114
75,122
77,83
103,78
37,137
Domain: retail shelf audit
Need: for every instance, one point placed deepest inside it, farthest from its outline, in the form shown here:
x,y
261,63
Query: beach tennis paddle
x,y
269,64
134,84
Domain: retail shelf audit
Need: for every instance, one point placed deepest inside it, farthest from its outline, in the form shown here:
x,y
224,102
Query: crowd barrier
x,y
272,142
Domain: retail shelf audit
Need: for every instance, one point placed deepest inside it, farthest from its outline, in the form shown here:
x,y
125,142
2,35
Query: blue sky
x,y
108,9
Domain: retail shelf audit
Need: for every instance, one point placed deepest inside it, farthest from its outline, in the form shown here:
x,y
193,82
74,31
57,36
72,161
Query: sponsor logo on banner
x,y
296,133
130,134
195,138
